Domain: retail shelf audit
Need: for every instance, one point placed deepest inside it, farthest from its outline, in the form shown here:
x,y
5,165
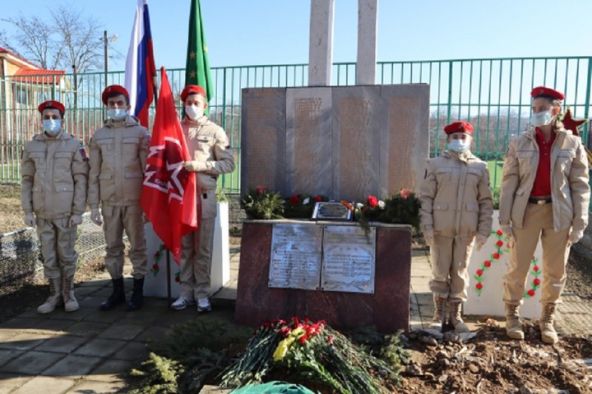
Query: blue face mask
x,y
459,146
116,113
541,118
52,127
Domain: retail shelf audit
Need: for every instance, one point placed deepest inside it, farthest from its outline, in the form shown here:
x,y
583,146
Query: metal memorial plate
x,y
296,256
349,257
331,211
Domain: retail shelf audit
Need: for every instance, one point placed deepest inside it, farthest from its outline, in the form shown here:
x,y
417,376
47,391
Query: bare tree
x,y
79,37
35,39
67,40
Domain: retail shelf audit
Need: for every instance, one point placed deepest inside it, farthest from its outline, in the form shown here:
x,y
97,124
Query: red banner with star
x,y
169,194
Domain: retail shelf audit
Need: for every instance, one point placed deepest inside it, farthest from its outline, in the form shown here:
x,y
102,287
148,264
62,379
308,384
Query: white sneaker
x,y
181,303
203,305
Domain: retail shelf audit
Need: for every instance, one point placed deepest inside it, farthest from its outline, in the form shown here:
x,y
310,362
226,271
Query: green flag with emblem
x,y
197,70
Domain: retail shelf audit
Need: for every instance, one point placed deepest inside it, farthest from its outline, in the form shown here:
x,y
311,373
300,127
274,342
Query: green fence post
x,y
449,92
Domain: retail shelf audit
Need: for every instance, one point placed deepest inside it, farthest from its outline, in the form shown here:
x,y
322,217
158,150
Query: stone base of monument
x,y
486,285
155,283
328,271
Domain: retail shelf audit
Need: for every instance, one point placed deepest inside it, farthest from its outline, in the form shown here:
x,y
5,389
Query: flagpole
x,y
168,262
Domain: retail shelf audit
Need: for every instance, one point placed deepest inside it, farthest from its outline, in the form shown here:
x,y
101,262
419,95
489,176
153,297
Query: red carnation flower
x,y
330,339
487,263
499,244
260,189
536,268
536,281
317,198
531,292
496,256
294,200
372,201
499,232
155,266
479,272
479,286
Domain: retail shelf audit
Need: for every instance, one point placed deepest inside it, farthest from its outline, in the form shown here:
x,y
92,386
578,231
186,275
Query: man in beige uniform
x,y
54,172
117,160
208,145
456,211
545,194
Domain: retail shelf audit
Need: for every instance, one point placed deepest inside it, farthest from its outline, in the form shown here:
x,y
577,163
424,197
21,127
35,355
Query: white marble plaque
x,y
349,256
296,256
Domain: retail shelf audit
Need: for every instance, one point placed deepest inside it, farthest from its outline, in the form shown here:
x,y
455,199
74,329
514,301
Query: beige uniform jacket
x,y
208,144
570,191
118,154
54,173
455,196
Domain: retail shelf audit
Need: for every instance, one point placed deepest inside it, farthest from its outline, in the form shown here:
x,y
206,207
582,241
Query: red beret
x,y
459,127
113,90
52,104
192,89
541,91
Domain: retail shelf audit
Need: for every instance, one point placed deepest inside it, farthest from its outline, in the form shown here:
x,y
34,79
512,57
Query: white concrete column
x,y
320,54
366,62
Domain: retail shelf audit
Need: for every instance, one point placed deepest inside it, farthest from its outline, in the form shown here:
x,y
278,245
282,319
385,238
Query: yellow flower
x,y
282,348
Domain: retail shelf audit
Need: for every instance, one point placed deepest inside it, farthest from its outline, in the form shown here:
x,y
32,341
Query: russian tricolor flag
x,y
140,70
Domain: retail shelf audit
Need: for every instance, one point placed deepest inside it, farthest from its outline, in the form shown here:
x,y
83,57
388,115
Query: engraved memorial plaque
x,y
349,256
295,256
331,211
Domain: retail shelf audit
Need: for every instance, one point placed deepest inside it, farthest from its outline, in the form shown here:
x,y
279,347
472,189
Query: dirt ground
x,y
19,297
491,363
11,214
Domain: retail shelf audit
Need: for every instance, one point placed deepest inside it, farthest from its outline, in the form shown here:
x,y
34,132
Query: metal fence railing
x,y
20,259
491,93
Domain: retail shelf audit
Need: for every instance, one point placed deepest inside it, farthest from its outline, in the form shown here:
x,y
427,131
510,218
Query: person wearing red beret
x,y
209,147
545,195
118,154
54,173
456,212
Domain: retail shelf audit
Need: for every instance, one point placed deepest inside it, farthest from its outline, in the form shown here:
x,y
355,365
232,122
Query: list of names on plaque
x,y
296,256
348,259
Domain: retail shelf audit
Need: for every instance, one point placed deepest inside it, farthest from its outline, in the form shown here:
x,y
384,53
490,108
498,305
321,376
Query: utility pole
x,y
106,53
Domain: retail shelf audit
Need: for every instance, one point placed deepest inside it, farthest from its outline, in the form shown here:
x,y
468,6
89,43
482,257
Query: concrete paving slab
x,y
62,344
122,331
9,382
26,340
44,384
132,351
8,354
85,328
91,387
73,366
31,363
100,347
112,370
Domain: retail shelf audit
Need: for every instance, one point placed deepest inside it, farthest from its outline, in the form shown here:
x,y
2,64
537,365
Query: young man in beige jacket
x,y
211,157
545,195
456,212
54,173
118,154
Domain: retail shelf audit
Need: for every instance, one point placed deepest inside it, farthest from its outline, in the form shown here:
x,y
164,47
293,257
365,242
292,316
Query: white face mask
x,y
542,118
116,113
52,127
194,112
459,146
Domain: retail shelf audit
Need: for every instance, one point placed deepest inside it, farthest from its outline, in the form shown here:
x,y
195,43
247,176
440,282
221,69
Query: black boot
x,y
137,299
116,298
